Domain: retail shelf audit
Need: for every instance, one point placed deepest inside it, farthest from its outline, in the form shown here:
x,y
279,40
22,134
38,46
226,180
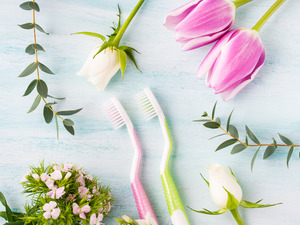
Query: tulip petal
x,y
177,15
213,54
229,94
237,60
85,68
208,17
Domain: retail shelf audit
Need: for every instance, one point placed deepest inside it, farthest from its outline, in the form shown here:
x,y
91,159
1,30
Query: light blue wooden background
x,y
268,105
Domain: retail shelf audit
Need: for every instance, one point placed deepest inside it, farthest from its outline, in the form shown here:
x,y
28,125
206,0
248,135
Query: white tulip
x,y
148,221
220,178
102,68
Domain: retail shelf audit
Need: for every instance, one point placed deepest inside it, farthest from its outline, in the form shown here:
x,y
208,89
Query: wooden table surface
x,y
270,104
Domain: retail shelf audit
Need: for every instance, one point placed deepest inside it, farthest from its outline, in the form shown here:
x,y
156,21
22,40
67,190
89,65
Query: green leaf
x,y
57,127
204,114
30,87
211,125
3,215
204,179
274,143
218,120
29,69
105,45
208,212
7,209
69,112
68,122
35,103
30,49
226,144
254,158
252,136
205,120
285,140
39,28
232,202
129,52
70,129
27,26
123,61
247,204
92,34
233,131
238,148
269,151
48,114
34,6
217,136
56,97
15,223
42,88
289,156
45,68
246,140
228,121
50,103
214,110
25,6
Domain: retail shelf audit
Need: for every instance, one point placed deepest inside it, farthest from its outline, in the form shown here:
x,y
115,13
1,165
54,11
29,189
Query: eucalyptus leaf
x,y
123,61
204,120
68,122
289,156
269,151
218,120
34,6
274,143
214,110
39,28
69,112
56,97
50,103
254,158
70,129
57,127
45,68
27,26
42,88
30,87
30,49
252,136
285,140
35,103
29,69
92,34
233,131
238,148
48,114
228,121
246,140
25,6
211,125
226,144
217,136
204,114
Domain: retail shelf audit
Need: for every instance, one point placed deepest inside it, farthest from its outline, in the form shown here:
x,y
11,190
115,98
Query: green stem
x,y
117,39
237,217
267,15
239,3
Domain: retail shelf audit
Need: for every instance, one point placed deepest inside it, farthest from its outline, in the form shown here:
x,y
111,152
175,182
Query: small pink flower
x,y
68,175
94,220
36,176
57,167
49,183
67,167
81,211
44,177
56,175
89,177
56,193
50,210
100,209
70,198
80,180
82,191
26,175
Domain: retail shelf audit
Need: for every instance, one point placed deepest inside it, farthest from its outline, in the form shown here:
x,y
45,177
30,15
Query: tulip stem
x,y
117,39
239,3
237,217
268,14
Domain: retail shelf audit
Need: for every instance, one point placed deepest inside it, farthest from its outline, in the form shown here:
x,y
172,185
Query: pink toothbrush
x,y
119,118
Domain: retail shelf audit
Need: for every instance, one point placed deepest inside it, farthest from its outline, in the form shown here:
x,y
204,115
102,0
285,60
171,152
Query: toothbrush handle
x,y
141,199
175,206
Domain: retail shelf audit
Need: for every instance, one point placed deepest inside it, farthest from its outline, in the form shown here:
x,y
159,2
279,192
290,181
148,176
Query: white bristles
x,y
116,113
148,103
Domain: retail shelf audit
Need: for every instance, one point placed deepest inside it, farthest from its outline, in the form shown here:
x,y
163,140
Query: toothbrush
x,y
119,118
153,109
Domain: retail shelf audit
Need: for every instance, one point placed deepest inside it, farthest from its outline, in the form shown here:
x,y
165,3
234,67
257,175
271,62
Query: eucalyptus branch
x,y
38,83
231,131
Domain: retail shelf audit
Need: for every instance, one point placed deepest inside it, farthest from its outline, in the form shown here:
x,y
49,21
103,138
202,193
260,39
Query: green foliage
x,y
48,114
69,112
232,202
35,104
30,49
126,220
29,69
247,204
30,6
30,87
208,212
93,35
232,131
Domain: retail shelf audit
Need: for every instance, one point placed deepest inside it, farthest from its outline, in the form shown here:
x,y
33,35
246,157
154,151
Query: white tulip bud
x,y
102,68
220,179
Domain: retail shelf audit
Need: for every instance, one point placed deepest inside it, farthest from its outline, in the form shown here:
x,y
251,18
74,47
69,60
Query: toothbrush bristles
x,y
114,115
146,105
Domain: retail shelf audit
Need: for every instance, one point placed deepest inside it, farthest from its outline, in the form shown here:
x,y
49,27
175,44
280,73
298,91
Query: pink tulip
x,y
201,22
233,62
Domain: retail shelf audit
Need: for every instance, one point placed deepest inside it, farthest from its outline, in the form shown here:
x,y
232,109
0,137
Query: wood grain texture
x,y
270,104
